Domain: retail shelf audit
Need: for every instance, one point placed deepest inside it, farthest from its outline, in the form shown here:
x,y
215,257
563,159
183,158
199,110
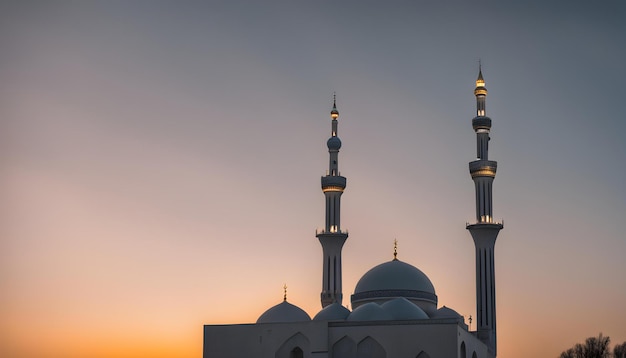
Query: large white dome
x,y
394,279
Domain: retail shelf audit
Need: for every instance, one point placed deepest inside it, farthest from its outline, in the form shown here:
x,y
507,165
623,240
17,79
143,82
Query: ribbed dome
x,y
402,309
395,279
370,312
334,143
333,312
284,312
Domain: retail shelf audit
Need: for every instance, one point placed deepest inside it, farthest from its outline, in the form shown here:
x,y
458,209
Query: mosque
x,y
394,305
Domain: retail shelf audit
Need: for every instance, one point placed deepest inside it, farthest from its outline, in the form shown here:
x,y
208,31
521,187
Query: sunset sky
x,y
160,164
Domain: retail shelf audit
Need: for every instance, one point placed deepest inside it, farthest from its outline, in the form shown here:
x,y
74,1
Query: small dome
x,y
369,312
284,312
402,309
445,312
333,312
334,143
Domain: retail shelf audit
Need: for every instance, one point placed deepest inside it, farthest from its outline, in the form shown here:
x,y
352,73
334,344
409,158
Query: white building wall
x,y
264,340
400,339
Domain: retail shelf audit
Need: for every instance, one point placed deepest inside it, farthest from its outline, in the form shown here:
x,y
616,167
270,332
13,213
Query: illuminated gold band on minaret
x,y
332,188
484,172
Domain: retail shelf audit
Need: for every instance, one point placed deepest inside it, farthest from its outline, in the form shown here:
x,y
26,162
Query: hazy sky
x,y
161,163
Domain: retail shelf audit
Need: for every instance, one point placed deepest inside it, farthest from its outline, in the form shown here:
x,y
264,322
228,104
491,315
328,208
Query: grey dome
x,y
284,312
402,309
394,279
445,312
334,143
370,312
333,312
394,275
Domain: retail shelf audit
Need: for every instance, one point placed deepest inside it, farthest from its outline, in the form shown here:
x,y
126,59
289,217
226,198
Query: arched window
x,y
474,355
369,348
344,348
423,355
294,347
462,353
296,353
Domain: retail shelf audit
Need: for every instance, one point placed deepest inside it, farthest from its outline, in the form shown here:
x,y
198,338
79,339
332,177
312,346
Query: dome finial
x,y
334,113
395,250
285,292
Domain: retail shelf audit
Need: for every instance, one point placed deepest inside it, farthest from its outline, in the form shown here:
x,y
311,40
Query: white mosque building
x,y
395,312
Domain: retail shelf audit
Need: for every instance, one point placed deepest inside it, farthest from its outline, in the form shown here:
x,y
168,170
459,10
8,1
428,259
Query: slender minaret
x,y
485,230
332,238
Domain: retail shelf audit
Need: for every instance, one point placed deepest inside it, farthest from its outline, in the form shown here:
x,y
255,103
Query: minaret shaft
x,y
332,238
485,230
484,235
482,145
484,201
333,209
480,104
333,164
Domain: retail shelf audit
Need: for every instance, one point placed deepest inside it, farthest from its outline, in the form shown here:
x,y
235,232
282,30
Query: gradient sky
x,y
161,163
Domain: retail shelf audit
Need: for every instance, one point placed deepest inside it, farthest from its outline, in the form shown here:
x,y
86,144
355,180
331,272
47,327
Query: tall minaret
x,y
485,230
332,238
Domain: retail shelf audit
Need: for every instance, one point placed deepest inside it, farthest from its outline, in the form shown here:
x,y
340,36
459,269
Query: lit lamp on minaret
x,y
485,230
331,237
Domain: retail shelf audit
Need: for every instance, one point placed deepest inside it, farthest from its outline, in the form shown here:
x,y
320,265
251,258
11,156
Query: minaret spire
x,y
332,238
485,230
480,92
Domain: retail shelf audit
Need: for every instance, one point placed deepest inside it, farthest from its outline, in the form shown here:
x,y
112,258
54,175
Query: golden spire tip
x,y
480,82
395,250
334,113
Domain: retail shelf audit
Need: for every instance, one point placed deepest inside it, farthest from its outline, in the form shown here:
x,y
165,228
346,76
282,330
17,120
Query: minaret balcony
x,y
333,230
485,221
333,183
481,122
483,168
480,89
